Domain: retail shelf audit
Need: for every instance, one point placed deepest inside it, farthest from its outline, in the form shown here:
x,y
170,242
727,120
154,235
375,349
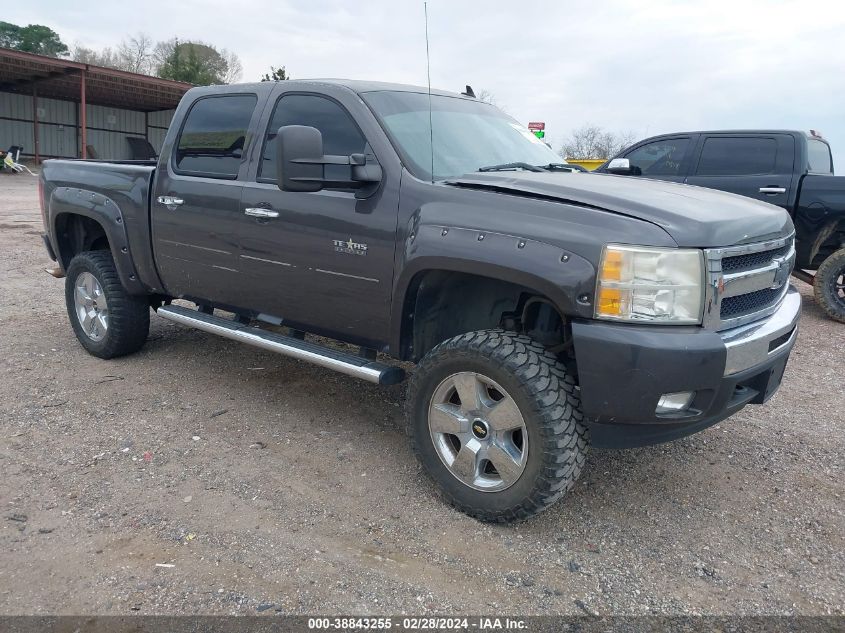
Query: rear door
x,y
195,208
755,165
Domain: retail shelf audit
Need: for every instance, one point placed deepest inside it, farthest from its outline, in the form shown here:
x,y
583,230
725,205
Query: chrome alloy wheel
x,y
92,310
478,431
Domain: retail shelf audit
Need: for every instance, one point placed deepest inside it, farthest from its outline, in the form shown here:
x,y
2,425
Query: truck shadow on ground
x,y
346,415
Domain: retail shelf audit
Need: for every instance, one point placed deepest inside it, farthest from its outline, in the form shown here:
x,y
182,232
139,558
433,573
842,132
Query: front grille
x,y
741,279
741,263
751,302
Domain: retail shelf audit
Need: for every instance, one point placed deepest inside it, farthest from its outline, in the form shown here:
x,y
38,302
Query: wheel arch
x,y
95,224
829,240
496,297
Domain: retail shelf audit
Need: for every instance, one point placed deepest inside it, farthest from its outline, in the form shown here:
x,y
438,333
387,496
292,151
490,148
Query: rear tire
x,y
107,320
829,286
495,420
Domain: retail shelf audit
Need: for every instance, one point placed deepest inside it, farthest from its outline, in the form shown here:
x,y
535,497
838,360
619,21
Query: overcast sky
x,y
646,67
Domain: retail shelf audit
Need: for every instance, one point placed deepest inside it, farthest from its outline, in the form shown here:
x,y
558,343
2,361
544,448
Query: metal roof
x,y
60,79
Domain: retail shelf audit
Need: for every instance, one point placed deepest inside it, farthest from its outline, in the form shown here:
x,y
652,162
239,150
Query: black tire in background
x,y
547,399
128,316
829,286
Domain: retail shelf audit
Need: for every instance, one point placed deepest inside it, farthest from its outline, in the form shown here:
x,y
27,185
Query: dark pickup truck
x,y
545,309
793,170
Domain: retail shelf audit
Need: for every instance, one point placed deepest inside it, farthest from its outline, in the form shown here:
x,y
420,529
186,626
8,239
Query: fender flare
x,y
824,234
104,211
560,275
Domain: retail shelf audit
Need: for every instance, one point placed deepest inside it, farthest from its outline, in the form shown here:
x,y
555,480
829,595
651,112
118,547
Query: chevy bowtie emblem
x,y
479,429
781,274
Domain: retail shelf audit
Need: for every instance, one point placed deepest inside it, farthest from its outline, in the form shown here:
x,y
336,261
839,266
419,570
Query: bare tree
x,y
136,54
592,141
486,96
162,51
80,54
105,57
194,62
234,69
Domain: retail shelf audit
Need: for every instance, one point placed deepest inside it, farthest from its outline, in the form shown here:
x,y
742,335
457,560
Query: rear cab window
x,y
818,157
737,156
214,135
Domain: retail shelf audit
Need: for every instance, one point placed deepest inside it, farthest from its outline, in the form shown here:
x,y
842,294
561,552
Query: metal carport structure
x,y
84,85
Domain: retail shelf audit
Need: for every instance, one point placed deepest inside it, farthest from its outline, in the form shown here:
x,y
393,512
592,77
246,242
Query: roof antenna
x,y
428,72
469,92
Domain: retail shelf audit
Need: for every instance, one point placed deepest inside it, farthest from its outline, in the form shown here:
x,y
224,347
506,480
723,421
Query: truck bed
x,y
819,218
117,195
150,162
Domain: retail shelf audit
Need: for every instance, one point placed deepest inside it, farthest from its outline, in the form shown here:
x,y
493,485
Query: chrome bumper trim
x,y
748,345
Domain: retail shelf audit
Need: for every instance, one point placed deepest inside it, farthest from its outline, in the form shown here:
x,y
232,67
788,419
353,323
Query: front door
x,y
321,260
756,166
195,208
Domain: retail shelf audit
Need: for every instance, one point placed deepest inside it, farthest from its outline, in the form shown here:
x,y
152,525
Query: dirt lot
x,y
275,486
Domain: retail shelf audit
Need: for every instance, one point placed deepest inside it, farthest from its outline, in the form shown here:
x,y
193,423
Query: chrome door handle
x,y
259,212
772,189
170,201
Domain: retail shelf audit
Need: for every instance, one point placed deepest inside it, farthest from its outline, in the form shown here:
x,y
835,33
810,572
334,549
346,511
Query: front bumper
x,y
623,371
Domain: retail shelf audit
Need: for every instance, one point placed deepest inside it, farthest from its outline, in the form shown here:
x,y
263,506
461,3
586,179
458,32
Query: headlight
x,y
663,285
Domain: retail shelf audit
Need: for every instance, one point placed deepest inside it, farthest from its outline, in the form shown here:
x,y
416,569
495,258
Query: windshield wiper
x,y
558,166
507,166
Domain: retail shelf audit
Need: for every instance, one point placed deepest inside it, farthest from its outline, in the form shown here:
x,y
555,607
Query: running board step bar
x,y
343,362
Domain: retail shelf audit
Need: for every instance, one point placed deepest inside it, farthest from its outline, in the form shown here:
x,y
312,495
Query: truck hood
x,y
692,216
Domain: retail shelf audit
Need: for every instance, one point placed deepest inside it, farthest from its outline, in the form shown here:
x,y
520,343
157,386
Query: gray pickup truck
x,y
545,309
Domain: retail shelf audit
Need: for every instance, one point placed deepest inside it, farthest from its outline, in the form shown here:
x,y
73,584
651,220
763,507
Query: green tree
x,y
10,35
196,63
276,74
32,38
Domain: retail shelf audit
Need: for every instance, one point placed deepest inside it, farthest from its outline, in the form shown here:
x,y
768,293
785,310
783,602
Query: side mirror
x,y
300,164
299,150
620,166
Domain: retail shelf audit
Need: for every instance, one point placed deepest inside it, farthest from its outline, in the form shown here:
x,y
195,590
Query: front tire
x,y
107,320
495,420
829,286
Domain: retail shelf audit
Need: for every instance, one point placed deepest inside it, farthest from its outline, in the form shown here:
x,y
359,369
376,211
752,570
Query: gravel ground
x,y
203,476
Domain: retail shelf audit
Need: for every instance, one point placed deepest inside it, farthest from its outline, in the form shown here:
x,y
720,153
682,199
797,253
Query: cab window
x,y
341,135
214,135
737,156
818,155
660,158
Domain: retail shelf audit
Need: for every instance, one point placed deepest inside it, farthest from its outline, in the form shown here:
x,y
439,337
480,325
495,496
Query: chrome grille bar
x,y
752,294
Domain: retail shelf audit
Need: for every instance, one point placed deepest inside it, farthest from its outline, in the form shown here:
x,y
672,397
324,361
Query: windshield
x,y
468,134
